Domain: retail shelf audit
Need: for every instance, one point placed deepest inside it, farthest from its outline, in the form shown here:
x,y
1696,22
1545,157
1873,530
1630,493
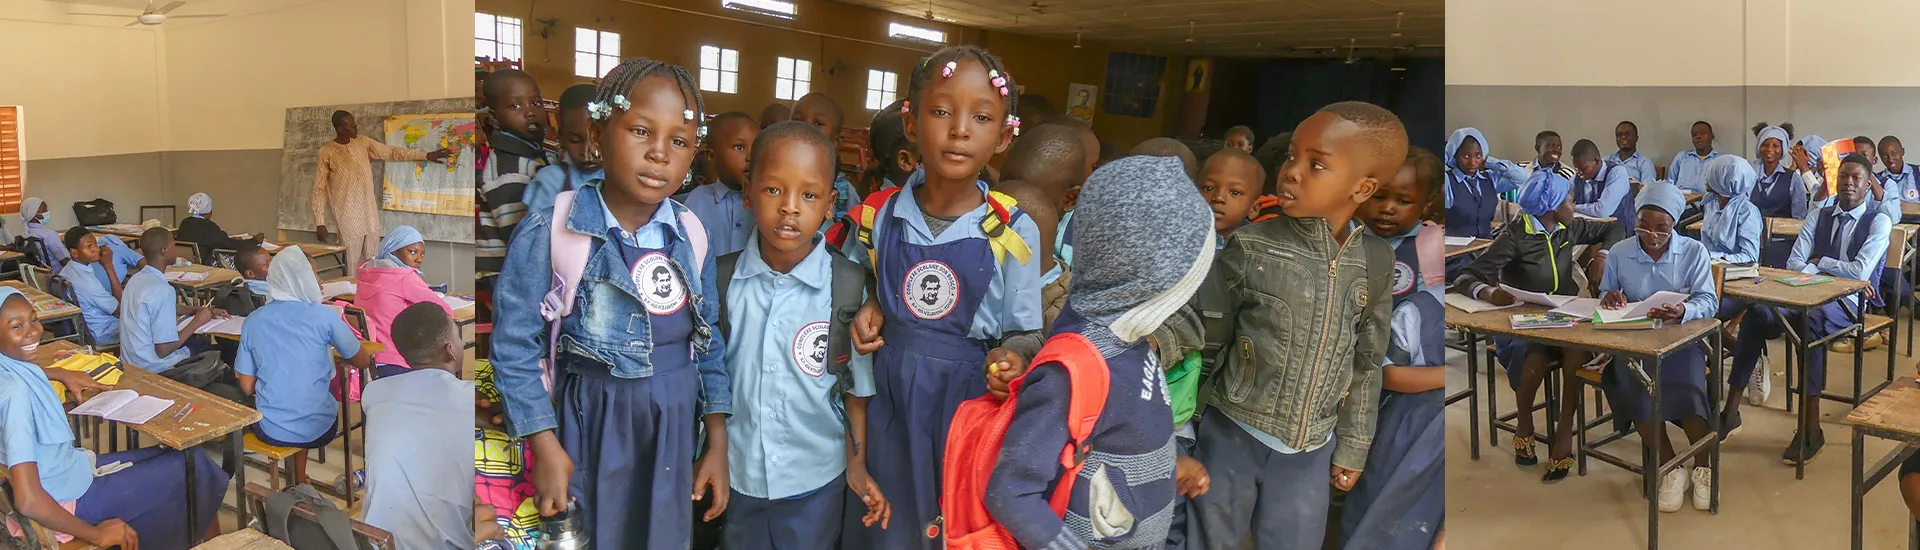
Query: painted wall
x,y
106,99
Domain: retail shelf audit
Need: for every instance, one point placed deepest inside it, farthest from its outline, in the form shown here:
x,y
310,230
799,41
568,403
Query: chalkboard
x,y
310,127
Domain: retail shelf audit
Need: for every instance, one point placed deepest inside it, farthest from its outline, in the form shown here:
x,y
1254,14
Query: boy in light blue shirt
x,y
285,359
1626,136
1688,170
99,302
420,482
820,111
114,250
574,168
151,337
718,204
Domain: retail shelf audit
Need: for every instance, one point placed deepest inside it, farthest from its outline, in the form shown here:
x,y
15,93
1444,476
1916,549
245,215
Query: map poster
x,y
427,187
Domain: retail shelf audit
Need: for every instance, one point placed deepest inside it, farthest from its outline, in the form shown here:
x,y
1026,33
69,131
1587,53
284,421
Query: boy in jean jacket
x,y
1318,286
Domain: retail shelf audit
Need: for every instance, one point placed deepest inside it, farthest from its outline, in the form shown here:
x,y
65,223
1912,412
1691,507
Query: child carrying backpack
x,y
1147,245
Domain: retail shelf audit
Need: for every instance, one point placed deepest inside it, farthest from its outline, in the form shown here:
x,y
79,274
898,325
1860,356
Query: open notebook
x,y
230,325
124,406
186,276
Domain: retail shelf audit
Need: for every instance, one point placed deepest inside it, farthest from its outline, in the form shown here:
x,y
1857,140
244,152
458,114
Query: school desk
x,y
1469,248
217,278
51,309
1909,209
1649,346
1893,414
316,251
121,230
1766,291
244,539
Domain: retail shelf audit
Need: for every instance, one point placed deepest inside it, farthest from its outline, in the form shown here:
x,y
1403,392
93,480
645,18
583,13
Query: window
x,y
900,30
769,8
1133,84
595,52
10,159
794,78
881,87
719,70
496,37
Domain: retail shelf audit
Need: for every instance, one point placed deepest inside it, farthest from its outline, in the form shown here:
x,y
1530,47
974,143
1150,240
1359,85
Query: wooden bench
x,y
276,456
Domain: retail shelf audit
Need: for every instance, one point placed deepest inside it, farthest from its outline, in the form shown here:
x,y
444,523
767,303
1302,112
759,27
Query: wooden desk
x,y
52,309
1692,196
1647,345
1909,209
1892,414
9,255
317,251
122,230
1476,246
217,278
245,539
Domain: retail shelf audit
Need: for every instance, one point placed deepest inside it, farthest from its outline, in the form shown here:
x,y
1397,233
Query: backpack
x,y
95,212
973,444
1266,207
330,528
848,292
568,252
860,223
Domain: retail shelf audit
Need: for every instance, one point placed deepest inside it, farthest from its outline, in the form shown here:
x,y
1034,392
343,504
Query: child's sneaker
x,y
1702,488
1673,489
1761,386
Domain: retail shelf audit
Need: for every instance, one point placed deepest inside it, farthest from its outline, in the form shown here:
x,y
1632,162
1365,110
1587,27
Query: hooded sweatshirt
x,y
383,290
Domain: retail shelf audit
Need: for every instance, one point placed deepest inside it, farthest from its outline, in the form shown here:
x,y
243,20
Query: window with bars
x,y
10,163
882,86
496,37
595,52
792,78
719,70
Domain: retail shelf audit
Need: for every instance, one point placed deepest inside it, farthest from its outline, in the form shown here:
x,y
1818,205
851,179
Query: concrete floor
x,y
1493,503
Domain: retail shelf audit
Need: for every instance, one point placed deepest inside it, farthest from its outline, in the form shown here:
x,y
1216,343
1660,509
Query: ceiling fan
x,y
151,16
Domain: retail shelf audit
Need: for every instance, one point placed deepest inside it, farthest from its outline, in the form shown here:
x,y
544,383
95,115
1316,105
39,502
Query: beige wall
x,y
106,99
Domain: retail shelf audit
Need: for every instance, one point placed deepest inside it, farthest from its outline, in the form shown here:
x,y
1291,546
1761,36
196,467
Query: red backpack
x,y
973,444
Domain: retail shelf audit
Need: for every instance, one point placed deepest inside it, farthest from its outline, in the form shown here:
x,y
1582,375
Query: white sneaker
x,y
1761,386
1673,489
1702,488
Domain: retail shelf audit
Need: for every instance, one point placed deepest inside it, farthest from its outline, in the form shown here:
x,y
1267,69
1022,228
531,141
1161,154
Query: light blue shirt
x,y
791,442
1905,185
149,317
1506,177
1682,269
849,198
1688,170
727,220
56,248
1062,247
550,180
1012,303
1639,168
124,259
1406,326
286,345
1872,253
98,307
65,471
420,482
1889,204
652,234
259,287
1747,228
1613,189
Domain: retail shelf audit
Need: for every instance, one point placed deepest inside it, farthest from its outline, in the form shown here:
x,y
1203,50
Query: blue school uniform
x,y
848,197
1847,243
148,318
124,260
1887,283
947,301
1689,170
1605,196
1401,501
98,308
1904,184
638,365
287,345
1472,198
1639,168
728,222
551,179
1063,241
1779,194
1683,379
783,452
419,482
56,248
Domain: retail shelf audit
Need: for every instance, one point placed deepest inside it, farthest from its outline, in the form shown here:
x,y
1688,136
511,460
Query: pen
x,y
184,409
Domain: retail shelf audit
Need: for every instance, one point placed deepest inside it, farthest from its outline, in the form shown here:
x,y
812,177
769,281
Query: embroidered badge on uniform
x,y
930,290
1402,278
810,349
659,284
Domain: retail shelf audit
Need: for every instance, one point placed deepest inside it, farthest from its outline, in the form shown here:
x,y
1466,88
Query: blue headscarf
x,y
1732,177
1543,192
1772,132
1460,137
1813,145
1662,195
49,418
399,238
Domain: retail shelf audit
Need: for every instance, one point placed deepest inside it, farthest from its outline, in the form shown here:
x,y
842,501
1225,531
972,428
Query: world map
x,y
428,187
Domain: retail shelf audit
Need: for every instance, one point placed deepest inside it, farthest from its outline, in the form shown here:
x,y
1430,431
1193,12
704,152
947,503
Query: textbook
x,y
1635,311
1738,272
1529,321
1549,300
123,406
1470,305
1804,280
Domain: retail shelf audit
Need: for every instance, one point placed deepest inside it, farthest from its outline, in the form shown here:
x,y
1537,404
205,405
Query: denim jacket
x,y
1310,331
608,327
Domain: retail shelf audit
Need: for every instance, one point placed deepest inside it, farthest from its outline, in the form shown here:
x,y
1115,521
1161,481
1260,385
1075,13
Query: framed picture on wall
x,y
1082,99
1197,72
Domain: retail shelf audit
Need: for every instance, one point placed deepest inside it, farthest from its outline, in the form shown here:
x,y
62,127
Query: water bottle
x,y
566,531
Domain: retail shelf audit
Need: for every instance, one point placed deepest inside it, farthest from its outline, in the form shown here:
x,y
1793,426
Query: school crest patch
x,y
661,290
1912,194
810,349
930,290
1403,278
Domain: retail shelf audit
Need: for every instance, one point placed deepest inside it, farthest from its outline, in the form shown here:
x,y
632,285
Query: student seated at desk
x,y
1475,181
151,336
251,262
1688,169
1600,191
1847,239
1888,202
53,481
1731,230
1626,136
33,214
1812,169
388,284
200,230
1535,253
99,302
1778,192
285,360
114,250
1660,260
1900,176
420,482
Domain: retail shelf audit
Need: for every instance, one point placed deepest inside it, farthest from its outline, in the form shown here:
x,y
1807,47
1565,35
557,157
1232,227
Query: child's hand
x,y
711,475
1191,477
1499,297
221,314
1343,479
878,509
75,382
113,533
485,528
106,255
866,328
1613,300
487,414
1003,365
552,469
1670,312
202,315
1801,158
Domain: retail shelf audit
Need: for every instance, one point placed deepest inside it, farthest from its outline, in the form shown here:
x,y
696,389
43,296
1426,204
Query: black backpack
x,y
95,212
848,291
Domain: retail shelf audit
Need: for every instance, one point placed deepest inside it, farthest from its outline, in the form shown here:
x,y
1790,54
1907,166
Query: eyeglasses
x,y
1657,235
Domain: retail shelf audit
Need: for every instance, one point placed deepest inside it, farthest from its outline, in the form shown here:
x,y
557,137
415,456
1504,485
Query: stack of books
x,y
1530,321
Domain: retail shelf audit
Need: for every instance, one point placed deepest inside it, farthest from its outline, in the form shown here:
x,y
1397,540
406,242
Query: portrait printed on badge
x,y
661,291
930,290
810,349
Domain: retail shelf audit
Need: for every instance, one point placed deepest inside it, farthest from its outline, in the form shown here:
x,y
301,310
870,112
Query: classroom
x,y
127,128
1696,165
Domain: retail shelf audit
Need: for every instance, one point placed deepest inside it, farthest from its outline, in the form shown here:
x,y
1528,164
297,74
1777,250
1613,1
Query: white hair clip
x,y
947,72
598,110
687,115
620,100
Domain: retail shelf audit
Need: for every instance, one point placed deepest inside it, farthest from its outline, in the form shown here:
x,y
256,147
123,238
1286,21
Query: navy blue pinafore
x,y
1401,501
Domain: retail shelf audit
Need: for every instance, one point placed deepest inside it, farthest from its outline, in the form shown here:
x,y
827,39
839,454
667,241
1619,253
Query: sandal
x,y
1523,451
1557,470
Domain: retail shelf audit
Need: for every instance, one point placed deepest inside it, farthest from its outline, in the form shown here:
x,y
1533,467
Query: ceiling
x,y
1243,28
60,11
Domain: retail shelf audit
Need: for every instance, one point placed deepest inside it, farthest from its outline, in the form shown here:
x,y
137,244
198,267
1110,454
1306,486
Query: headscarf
x,y
1143,248
1734,178
290,277
1772,132
1458,138
199,204
1662,195
1543,192
30,209
1813,144
399,238
49,417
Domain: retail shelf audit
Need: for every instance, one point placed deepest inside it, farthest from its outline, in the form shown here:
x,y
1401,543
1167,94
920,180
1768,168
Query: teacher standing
x,y
343,177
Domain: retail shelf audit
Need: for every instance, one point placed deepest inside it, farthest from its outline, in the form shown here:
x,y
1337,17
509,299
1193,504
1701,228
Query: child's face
x,y
1702,137
1893,154
88,251
412,255
19,329
1655,230
1468,158
518,108
1770,150
1231,186
959,122
1549,150
1853,185
1625,136
813,109
729,147
1325,170
1242,142
574,135
257,266
647,150
1395,208
1588,167
1865,148
791,194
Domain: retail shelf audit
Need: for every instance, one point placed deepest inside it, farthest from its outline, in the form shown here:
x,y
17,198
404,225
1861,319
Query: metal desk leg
x,y
239,454
1493,402
1650,456
1857,494
1473,409
1715,392
194,528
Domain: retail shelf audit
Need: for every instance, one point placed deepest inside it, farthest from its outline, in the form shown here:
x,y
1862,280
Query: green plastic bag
x,y
1183,387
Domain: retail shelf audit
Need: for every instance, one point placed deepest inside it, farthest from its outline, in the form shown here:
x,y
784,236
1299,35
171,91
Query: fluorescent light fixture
x,y
769,8
916,34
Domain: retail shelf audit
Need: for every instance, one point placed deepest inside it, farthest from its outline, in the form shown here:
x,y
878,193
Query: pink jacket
x,y
383,292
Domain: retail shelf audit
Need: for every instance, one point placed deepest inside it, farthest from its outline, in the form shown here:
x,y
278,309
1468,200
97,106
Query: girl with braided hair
x,y
636,363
